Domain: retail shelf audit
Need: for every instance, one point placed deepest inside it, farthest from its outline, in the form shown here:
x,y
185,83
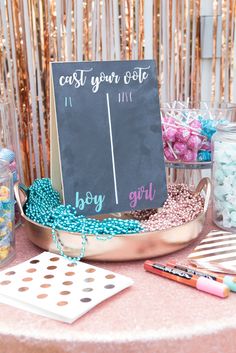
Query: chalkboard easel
x,y
106,142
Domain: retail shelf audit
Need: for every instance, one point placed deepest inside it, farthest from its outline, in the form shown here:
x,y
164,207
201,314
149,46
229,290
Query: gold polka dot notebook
x,y
51,286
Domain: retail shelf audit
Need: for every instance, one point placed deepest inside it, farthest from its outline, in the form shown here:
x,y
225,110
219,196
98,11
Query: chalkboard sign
x,y
106,143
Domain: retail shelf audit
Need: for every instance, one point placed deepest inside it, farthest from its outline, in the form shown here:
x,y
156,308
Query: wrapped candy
x,y
169,135
180,148
206,145
204,156
182,134
169,154
196,124
189,156
194,143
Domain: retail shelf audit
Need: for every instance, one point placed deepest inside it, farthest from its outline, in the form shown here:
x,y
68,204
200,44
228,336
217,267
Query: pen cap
x,y
230,281
212,287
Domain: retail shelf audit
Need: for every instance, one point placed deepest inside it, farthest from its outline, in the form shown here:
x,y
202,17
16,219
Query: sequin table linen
x,y
155,315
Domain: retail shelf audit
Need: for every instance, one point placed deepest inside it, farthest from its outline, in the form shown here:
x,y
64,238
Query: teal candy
x,y
219,175
233,216
229,169
44,207
208,127
204,156
229,282
219,192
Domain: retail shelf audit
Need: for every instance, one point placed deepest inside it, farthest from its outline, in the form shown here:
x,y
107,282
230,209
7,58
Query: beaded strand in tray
x,y
44,207
181,206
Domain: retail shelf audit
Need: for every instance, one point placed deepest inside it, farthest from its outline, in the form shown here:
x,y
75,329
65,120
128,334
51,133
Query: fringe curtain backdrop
x,y
193,43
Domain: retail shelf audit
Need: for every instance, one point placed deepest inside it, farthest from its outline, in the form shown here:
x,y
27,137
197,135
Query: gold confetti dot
x,y
42,296
48,276
62,303
27,279
67,283
23,289
54,259
51,267
90,270
45,285
65,292
10,273
31,270
69,273
110,276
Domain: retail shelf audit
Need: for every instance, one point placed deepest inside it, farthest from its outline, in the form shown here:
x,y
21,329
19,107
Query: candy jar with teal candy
x,y
224,176
7,239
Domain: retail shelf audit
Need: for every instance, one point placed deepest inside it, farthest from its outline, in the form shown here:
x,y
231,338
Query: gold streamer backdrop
x,y
185,37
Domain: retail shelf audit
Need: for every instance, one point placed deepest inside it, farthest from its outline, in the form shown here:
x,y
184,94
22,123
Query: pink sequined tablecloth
x,y
155,315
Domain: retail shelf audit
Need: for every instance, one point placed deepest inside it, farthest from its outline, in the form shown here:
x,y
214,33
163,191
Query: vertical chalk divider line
x,y
112,148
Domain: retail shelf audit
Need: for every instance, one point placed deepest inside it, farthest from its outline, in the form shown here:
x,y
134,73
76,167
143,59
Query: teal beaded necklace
x,y
44,207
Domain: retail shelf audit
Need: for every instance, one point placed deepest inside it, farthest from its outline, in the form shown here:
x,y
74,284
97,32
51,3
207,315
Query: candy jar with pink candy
x,y
187,130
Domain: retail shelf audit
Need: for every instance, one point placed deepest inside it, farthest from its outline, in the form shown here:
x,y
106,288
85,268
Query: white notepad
x,y
51,286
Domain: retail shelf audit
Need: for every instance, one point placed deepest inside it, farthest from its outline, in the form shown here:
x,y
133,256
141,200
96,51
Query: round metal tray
x,y
121,247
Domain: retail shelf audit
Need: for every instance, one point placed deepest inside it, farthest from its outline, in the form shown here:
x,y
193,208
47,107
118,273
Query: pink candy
x,y
168,120
179,148
169,134
196,124
169,154
194,143
189,156
182,134
206,145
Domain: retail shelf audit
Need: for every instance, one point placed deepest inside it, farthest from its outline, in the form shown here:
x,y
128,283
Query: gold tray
x,y
121,247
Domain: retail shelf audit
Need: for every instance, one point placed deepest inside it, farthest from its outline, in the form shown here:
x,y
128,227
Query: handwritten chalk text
x,y
97,80
148,194
79,78
138,74
89,199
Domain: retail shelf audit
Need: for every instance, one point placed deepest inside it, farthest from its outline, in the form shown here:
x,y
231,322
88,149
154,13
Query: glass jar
x,y
224,176
187,131
7,239
8,139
